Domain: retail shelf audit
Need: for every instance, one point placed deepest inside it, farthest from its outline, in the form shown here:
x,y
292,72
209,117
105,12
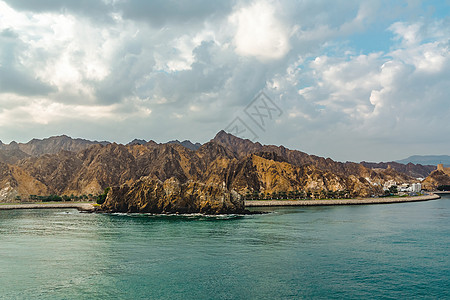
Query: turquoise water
x,y
351,252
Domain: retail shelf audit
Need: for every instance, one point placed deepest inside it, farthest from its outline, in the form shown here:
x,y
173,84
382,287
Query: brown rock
x,y
437,178
151,195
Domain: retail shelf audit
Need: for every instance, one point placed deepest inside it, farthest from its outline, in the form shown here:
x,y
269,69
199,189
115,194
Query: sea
x,y
386,251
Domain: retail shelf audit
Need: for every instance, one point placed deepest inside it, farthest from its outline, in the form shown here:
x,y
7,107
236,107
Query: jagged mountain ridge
x,y
11,153
236,163
244,147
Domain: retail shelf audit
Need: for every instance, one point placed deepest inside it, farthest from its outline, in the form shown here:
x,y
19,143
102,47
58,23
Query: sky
x,y
349,80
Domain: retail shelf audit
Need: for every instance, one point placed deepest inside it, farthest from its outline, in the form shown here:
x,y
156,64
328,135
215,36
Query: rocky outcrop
x,y
151,195
435,179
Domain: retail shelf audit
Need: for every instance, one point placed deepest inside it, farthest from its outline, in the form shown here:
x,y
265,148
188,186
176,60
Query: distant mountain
x,y
50,145
410,169
187,144
427,160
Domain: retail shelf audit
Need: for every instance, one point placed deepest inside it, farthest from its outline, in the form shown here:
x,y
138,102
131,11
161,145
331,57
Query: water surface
x,y
352,252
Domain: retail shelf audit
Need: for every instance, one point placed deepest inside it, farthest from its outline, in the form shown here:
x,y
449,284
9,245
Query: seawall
x,y
87,207
363,201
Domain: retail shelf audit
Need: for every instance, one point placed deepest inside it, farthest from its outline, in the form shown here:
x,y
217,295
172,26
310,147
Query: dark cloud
x,y
95,9
14,77
157,13
163,12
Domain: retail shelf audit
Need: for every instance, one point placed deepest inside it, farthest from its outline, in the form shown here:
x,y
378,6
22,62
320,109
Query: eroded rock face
x,y
151,195
435,179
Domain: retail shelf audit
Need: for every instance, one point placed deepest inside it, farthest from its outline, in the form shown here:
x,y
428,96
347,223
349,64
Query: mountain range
x,y
65,166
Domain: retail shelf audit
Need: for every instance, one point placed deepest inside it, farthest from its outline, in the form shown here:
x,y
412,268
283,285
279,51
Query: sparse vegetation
x,y
56,198
297,195
50,198
102,197
393,190
443,188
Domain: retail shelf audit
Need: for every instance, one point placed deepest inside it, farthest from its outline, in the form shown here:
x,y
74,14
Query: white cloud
x,y
259,32
391,97
168,69
408,34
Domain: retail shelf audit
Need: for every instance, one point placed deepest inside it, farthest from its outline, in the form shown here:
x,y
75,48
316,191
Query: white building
x,y
410,188
416,187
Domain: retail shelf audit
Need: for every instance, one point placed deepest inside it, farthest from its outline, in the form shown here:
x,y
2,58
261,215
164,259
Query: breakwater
x,y
362,201
87,207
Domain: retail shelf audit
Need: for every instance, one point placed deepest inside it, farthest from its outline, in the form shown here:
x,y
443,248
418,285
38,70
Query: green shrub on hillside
x,y
101,198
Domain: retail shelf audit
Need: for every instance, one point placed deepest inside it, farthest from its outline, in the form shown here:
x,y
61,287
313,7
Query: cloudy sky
x,y
350,80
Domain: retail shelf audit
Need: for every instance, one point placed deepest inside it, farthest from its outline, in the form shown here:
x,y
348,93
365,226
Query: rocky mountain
x,y
427,160
441,176
227,162
15,183
10,156
410,169
242,148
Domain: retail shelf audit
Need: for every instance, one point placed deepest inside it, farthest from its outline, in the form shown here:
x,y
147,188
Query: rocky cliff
x,y
151,195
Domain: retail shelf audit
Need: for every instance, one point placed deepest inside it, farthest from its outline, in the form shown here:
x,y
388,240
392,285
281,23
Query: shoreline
x,y
84,207
89,207
362,201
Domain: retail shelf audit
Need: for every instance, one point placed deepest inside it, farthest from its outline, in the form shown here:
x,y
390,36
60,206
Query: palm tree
x,y
291,195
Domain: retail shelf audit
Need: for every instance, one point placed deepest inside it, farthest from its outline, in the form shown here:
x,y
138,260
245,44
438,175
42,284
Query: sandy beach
x,y
259,203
